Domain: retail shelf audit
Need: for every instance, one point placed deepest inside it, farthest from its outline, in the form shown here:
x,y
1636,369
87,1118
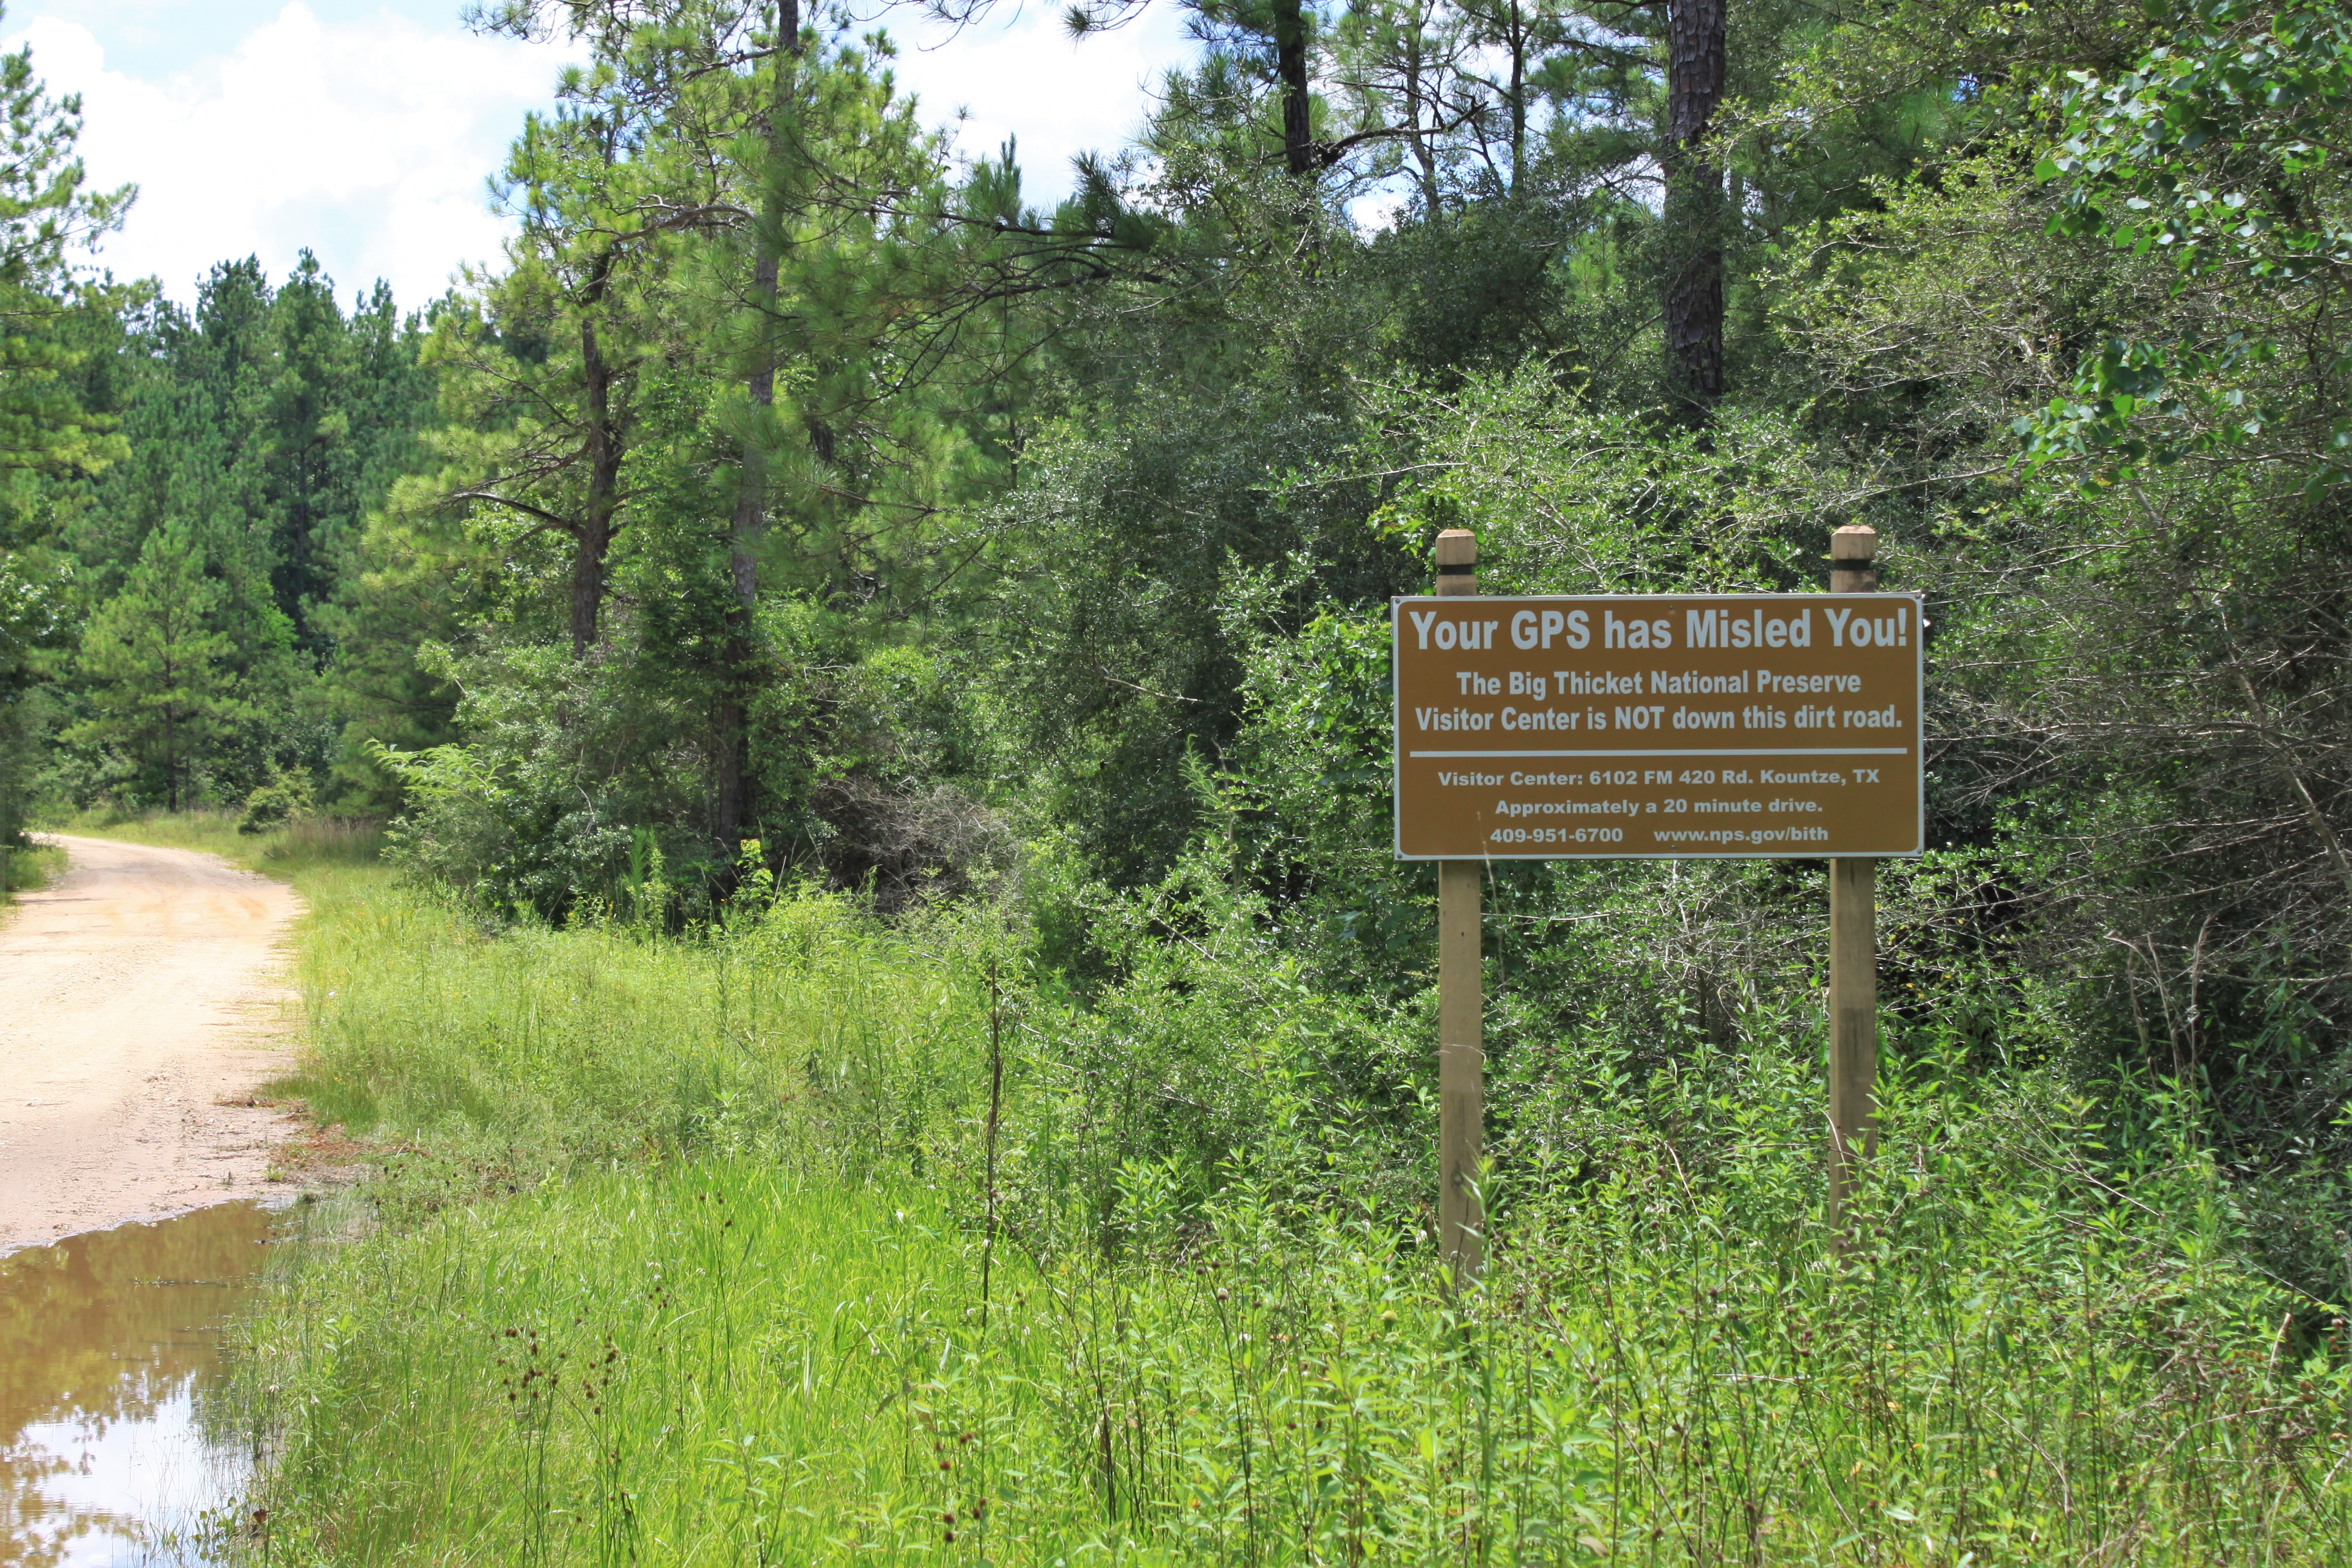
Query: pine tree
x,y
56,329
45,216
308,449
157,663
268,422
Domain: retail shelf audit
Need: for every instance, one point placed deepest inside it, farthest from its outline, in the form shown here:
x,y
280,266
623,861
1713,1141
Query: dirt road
x,y
139,994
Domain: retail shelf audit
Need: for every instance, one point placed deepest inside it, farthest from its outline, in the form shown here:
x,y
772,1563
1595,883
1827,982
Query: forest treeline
x,y
795,496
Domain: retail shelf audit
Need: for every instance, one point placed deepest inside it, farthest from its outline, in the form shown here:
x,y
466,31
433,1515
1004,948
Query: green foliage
x,y
259,427
157,649
31,628
1308,789
46,216
287,798
507,817
1117,658
538,1050
1195,1346
2219,153
55,323
2237,92
311,851
24,867
551,1049
813,612
1065,535
863,754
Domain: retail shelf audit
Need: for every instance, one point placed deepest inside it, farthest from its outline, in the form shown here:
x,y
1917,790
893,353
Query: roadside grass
x,y
718,1362
28,869
493,1054
684,1256
290,849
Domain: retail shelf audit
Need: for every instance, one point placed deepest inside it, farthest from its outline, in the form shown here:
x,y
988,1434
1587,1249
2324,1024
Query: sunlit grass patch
x,y
26,869
725,1190
719,1363
305,843
429,1026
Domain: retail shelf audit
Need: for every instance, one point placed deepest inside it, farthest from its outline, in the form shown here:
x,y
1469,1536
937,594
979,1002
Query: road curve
x,y
141,996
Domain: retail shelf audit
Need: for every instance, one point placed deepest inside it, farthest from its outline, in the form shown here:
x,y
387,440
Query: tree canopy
x,y
797,496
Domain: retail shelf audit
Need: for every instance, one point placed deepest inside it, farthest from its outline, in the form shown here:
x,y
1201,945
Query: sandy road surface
x,y
137,994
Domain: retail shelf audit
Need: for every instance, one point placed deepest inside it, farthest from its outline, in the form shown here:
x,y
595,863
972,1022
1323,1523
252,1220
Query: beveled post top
x,y
1857,542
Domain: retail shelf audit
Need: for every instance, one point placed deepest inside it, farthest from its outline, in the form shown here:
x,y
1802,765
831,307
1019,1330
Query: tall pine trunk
x,y
1693,303
1515,39
731,787
1290,65
1425,151
593,539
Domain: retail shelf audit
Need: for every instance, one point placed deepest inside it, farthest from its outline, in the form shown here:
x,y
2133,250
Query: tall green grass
x,y
290,849
22,869
717,1362
748,1324
800,1023
548,1050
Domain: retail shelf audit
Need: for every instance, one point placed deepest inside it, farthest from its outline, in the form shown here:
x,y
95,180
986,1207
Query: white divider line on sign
x,y
1710,751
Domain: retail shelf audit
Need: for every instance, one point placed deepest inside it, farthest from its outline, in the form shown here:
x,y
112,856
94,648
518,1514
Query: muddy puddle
x,y
109,1350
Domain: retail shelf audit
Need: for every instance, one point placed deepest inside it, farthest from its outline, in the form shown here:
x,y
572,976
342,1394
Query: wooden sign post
x,y
1461,981
1853,952
1654,727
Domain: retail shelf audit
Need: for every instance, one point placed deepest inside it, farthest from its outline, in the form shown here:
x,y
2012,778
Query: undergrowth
x,y
27,867
289,850
748,1300
720,1362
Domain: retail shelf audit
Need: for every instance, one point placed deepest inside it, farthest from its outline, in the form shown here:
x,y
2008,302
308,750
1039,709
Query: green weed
x,y
750,1325
24,869
289,849
719,1363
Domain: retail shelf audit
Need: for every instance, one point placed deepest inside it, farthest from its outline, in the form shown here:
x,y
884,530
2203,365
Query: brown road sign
x,y
1667,726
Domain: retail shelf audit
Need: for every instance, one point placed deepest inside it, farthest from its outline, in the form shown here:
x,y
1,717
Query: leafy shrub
x,y
1214,1330
286,798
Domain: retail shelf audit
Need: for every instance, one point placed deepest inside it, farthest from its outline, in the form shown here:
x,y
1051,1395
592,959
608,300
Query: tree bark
x,y
1290,65
1424,152
1515,39
1693,303
743,531
731,787
593,537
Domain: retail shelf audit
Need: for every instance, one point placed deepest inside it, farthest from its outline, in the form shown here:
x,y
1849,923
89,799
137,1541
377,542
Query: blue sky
x,y
366,129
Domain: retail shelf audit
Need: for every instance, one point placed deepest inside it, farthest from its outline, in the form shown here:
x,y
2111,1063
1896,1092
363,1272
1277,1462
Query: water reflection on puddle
x,y
109,1343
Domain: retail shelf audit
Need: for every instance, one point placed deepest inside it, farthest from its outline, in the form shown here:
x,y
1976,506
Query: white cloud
x,y
367,140
1022,76
368,133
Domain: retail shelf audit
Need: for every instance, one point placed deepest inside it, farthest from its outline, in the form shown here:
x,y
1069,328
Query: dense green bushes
x,y
536,1050
751,1323
715,1363
1060,551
